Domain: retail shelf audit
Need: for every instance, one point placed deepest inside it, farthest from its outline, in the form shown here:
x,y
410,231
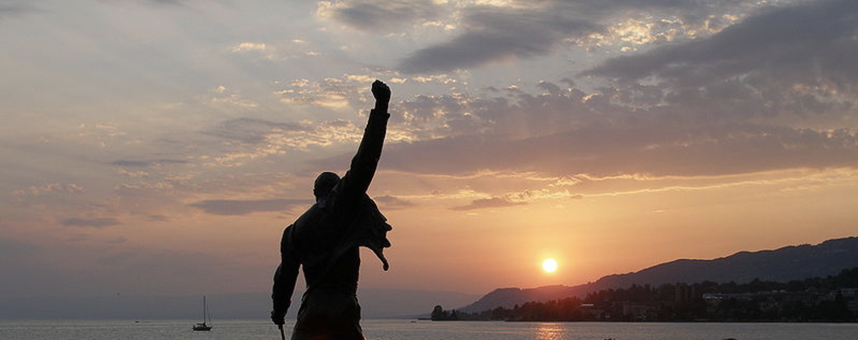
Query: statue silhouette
x,y
325,240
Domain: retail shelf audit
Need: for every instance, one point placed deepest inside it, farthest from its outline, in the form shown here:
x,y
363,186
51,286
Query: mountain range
x,y
783,264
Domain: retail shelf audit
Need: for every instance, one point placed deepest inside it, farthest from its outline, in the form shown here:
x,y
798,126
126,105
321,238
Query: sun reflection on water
x,y
548,331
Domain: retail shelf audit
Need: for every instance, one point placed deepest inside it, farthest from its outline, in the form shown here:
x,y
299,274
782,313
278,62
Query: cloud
x,y
251,130
525,29
565,131
146,163
15,8
223,95
682,151
496,202
494,34
250,139
517,198
36,190
573,133
391,202
379,15
157,218
339,93
795,58
93,222
245,207
249,47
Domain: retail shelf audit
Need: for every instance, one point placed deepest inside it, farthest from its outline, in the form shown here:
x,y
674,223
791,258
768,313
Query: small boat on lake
x,y
207,321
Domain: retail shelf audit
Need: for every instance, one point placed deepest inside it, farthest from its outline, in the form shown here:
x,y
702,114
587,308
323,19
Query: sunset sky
x,y
159,147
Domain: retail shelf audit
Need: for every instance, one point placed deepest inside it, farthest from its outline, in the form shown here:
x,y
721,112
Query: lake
x,y
427,330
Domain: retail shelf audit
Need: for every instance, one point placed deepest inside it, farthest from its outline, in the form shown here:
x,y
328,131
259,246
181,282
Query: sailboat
x,y
206,318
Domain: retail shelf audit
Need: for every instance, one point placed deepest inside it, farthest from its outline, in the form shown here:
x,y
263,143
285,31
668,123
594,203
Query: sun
x,y
549,265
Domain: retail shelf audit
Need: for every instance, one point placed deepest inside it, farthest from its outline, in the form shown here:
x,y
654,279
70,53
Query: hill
x,y
509,297
779,265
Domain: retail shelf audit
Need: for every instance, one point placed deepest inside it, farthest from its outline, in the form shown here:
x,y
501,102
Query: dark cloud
x,y
692,12
157,218
239,207
675,150
495,34
384,15
146,163
485,203
91,222
797,58
551,88
535,28
15,8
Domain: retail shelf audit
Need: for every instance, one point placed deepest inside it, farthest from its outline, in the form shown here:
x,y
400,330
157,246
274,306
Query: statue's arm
x,y
284,278
356,181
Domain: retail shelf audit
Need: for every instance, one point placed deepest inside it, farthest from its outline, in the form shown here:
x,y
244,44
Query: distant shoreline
x,y
832,299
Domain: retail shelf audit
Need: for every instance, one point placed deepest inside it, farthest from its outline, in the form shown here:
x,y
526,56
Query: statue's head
x,y
324,184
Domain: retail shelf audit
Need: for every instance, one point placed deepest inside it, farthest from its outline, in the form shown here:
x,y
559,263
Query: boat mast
x,y
205,310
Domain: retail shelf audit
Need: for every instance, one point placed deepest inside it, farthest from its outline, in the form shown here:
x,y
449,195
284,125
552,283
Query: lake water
x,y
427,330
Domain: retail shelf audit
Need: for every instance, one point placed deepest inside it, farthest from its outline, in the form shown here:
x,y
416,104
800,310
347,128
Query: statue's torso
x,y
316,237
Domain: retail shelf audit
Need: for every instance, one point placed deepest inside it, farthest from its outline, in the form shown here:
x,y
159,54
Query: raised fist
x,y
381,92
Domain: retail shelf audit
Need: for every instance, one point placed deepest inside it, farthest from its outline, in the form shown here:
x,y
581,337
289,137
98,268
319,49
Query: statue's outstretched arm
x,y
356,181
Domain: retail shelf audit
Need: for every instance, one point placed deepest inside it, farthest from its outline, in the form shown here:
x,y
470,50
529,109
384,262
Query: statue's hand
x,y
279,318
381,92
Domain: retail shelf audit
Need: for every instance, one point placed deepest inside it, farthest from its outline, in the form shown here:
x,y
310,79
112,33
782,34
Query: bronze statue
x,y
325,241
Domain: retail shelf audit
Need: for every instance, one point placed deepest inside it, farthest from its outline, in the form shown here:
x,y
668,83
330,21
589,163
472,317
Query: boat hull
x,y
202,328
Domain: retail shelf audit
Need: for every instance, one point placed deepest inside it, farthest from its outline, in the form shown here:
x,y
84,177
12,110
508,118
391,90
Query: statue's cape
x,y
369,229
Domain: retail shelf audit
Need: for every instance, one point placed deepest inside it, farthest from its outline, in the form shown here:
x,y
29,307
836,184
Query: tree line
x,y
829,299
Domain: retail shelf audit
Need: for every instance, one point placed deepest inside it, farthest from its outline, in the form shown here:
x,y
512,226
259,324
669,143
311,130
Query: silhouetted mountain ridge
x,y
783,264
509,297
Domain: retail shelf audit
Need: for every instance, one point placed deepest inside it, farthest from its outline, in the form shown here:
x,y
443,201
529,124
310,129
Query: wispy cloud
x,y
36,190
251,139
91,222
221,95
251,130
726,149
146,163
485,203
392,202
245,207
249,47
511,199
